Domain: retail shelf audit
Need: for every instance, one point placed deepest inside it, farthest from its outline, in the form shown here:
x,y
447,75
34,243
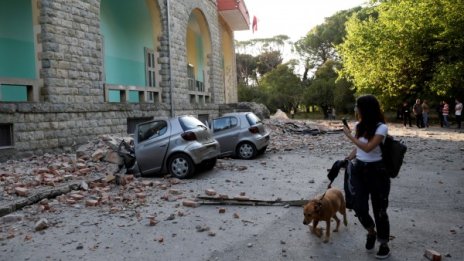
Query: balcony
x,y
235,14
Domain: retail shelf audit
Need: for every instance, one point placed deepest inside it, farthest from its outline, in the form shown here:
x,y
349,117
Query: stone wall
x,y
72,110
71,58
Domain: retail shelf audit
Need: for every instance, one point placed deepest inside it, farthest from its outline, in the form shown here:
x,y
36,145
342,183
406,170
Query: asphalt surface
x,y
426,212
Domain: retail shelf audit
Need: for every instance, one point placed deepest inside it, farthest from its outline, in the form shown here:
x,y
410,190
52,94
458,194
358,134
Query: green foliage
x,y
281,88
267,61
249,94
257,46
406,49
246,68
318,45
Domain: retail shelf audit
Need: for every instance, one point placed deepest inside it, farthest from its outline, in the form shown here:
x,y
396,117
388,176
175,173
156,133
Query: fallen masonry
x,y
241,200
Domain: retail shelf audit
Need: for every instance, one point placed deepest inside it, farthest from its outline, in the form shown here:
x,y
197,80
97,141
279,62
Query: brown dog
x,y
323,208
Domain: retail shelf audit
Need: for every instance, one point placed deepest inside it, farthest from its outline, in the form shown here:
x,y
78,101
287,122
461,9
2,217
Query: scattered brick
x,y
190,203
241,198
432,255
41,224
84,171
175,192
210,192
153,221
22,192
140,195
76,196
223,196
91,203
222,210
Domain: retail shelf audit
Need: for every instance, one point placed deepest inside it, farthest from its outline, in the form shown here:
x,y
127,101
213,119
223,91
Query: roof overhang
x,y
235,14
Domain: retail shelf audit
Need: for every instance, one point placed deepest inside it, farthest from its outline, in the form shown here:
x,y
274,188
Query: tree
x,y
257,46
282,88
246,68
318,45
406,49
267,61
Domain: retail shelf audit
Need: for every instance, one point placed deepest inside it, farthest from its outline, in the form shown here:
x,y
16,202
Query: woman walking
x,y
370,179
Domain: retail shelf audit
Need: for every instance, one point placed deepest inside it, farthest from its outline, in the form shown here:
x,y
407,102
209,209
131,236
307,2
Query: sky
x,y
294,18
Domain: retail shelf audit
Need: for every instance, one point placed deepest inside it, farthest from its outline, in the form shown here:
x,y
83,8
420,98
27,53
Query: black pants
x,y
458,121
371,180
407,119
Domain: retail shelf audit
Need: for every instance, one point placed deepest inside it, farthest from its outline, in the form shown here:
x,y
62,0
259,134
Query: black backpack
x,y
393,154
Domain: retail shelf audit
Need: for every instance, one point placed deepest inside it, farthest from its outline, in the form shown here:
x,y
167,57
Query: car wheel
x,y
181,166
209,164
246,150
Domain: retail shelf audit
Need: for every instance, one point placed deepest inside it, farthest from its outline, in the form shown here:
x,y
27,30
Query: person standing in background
x,y
417,109
425,113
406,114
440,113
445,114
458,112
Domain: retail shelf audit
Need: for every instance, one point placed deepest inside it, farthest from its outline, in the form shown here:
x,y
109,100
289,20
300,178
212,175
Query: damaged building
x,y
71,70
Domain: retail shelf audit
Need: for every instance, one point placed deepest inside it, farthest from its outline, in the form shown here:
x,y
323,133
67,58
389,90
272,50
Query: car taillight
x,y
188,136
254,129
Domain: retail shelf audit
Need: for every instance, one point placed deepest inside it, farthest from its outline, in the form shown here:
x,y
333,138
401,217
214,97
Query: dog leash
x,y
328,187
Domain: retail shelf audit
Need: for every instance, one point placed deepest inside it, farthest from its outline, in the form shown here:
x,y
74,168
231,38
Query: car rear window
x,y
189,122
252,119
224,123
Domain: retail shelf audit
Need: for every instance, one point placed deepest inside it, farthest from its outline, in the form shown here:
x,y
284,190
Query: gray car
x,y
176,145
241,134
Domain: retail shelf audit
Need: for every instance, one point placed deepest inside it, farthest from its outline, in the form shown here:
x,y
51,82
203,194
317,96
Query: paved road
x,y
426,211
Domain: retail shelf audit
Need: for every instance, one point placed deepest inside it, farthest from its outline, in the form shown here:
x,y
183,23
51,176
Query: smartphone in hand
x,y
345,123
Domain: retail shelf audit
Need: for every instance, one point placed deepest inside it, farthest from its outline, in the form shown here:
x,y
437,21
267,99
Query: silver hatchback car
x,y
240,134
177,145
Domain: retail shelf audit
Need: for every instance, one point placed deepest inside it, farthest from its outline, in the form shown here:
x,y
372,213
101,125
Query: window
x,y
152,129
190,122
224,123
252,119
132,122
191,77
150,68
6,135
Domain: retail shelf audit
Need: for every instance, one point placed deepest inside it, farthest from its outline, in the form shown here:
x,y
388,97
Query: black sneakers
x,y
384,251
370,241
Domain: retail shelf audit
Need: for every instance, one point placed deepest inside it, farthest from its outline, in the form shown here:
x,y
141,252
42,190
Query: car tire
x,y
246,150
181,166
208,164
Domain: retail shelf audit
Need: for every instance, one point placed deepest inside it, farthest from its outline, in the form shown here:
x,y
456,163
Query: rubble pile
x,y
92,161
95,177
288,134
99,159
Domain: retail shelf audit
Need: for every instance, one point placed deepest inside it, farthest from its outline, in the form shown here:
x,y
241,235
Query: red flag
x,y
254,27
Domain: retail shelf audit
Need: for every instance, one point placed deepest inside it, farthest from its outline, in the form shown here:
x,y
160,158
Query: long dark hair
x,y
370,115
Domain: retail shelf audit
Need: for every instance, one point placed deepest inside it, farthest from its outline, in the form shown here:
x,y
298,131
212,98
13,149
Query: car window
x,y
224,123
252,119
189,122
152,129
